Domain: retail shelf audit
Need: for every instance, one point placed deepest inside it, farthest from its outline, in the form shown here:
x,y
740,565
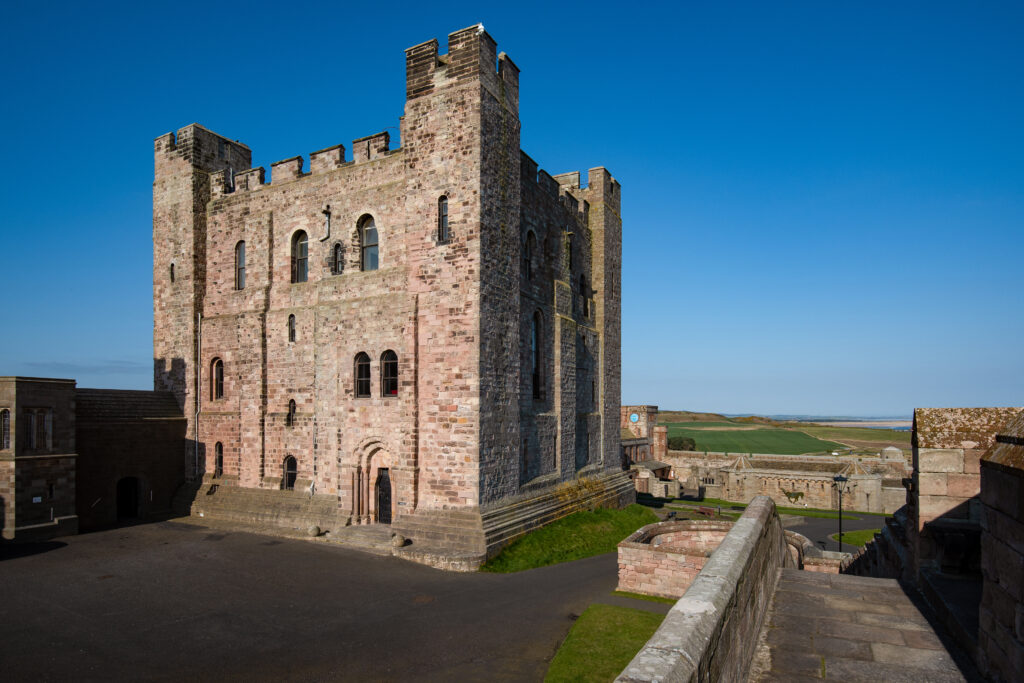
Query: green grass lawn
x,y
712,425
857,538
648,598
767,440
601,643
857,434
805,512
581,534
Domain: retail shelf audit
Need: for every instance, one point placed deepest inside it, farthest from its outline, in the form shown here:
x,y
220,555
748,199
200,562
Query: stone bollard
x,y
397,540
313,531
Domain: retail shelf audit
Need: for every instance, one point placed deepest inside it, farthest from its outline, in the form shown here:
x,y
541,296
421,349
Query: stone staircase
x,y
261,507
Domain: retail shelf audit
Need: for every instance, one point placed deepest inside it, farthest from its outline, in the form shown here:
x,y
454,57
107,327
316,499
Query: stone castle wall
x,y
466,430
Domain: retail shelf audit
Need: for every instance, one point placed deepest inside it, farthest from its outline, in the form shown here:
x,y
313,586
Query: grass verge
x,y
857,538
601,643
648,598
581,534
804,512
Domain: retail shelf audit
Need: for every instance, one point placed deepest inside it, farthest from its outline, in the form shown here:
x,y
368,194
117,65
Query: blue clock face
x,y
634,418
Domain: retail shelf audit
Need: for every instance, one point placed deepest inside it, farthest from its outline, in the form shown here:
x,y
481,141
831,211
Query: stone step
x,y
370,538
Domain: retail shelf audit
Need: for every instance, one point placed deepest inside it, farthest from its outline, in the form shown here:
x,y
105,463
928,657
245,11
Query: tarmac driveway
x,y
176,601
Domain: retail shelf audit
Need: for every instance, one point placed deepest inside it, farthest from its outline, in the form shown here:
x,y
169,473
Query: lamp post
x,y
839,481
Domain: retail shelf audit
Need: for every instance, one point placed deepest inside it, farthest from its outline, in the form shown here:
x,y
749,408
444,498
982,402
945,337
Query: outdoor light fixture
x,y
839,482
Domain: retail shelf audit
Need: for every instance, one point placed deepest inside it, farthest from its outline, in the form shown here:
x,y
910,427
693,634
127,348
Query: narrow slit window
x,y
291,328
240,265
300,257
389,374
528,249
5,429
217,379
536,357
337,259
290,418
218,461
442,219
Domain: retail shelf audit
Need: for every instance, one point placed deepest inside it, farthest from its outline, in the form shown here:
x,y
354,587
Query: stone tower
x,y
425,336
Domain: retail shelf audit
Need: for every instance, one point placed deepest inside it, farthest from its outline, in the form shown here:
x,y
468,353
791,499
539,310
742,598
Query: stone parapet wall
x,y
711,633
663,559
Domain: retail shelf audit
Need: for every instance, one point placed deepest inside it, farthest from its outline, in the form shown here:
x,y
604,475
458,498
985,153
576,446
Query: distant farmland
x,y
764,440
718,433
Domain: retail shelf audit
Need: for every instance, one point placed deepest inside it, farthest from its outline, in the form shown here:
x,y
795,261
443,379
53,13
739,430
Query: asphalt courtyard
x,y
174,601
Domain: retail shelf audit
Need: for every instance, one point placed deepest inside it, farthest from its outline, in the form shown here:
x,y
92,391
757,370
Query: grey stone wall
x,y
711,633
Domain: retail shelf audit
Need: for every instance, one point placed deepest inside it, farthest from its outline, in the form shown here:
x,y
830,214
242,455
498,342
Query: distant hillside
x,y
665,416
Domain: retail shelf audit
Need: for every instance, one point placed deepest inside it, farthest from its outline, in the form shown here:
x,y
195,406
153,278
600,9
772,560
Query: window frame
x,y
300,262
240,265
389,374
362,385
337,259
5,429
217,379
443,224
537,355
288,482
366,224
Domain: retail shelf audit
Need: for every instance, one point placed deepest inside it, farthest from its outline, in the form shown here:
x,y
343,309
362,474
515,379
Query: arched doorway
x,y
128,498
383,489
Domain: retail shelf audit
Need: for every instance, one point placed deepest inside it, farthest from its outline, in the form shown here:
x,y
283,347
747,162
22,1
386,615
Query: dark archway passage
x,y
383,496
128,498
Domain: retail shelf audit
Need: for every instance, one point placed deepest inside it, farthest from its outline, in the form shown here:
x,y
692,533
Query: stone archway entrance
x,y
383,490
128,498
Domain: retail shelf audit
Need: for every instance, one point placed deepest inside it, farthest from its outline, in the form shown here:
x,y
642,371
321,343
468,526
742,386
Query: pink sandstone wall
x,y
663,559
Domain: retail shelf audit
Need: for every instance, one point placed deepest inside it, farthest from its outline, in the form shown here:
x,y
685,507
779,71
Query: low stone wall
x,y
663,559
711,633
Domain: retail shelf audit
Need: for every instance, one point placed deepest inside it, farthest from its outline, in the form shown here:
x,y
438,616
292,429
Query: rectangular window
x,y
31,424
47,438
442,219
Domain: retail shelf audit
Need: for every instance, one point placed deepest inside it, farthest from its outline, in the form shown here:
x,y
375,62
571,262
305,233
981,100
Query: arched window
x,y
240,265
5,429
217,379
536,357
528,249
368,244
291,471
362,374
218,460
584,297
389,374
289,420
291,328
442,219
337,259
300,257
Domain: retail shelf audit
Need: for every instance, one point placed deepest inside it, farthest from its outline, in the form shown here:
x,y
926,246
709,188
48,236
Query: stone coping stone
x,y
677,648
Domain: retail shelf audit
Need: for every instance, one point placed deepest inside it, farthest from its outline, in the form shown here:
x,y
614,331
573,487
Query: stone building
x,y
84,459
426,335
876,484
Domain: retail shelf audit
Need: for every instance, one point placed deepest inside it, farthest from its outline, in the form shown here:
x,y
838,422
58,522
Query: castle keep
x,y
425,336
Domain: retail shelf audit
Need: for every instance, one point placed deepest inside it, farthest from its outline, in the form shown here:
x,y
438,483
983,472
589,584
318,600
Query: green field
x,y
768,440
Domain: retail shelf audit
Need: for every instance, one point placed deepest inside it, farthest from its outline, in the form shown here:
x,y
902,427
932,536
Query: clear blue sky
x,y
823,202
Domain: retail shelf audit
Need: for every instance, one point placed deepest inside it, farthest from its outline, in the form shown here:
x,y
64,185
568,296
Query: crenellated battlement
x,y
226,181
472,54
566,188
